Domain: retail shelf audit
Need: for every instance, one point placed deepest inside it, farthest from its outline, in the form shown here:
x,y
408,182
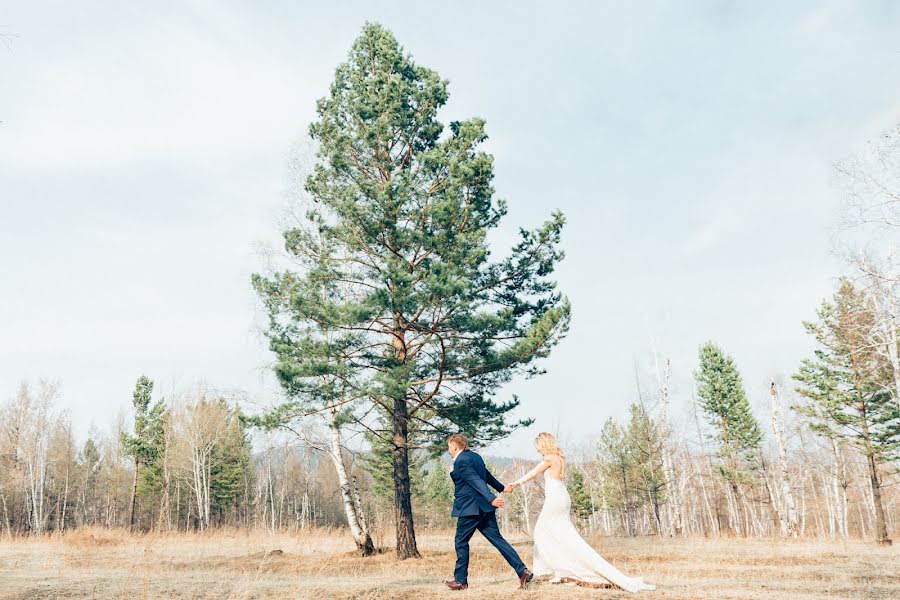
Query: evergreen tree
x,y
429,327
723,400
646,445
437,493
230,463
143,444
617,462
89,465
582,507
847,387
378,461
150,478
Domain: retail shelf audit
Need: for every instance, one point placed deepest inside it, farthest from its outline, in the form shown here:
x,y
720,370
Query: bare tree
x,y
37,420
662,378
869,233
200,425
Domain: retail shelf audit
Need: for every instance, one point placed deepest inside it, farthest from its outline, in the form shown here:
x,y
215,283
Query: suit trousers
x,y
486,523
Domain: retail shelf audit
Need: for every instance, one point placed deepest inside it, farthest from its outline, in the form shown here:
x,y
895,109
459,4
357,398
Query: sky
x,y
144,152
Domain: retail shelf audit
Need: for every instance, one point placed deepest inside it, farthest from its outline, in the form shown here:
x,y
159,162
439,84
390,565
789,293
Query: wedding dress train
x,y
561,552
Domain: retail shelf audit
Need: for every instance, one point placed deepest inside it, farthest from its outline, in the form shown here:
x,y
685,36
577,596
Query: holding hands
x,y
500,502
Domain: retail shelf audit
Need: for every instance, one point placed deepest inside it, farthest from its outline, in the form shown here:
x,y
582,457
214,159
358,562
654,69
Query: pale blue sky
x,y
143,152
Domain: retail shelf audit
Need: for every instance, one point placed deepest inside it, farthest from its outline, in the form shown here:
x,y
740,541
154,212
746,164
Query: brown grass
x,y
320,565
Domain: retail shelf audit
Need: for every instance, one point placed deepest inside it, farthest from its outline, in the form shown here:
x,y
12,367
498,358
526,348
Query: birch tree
x,y
870,219
668,462
34,420
203,427
789,523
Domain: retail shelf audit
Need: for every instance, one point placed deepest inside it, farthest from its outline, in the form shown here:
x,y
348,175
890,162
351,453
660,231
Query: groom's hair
x,y
459,440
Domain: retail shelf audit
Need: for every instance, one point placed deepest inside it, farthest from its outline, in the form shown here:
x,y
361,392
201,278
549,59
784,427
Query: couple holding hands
x,y
560,552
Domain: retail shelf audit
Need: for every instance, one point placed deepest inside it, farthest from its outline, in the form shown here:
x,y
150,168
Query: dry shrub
x,y
95,537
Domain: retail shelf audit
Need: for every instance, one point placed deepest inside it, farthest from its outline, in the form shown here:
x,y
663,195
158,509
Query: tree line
x,y
393,323
188,464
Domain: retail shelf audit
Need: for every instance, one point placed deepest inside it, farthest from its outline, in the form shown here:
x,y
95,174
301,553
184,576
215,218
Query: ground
x,y
320,565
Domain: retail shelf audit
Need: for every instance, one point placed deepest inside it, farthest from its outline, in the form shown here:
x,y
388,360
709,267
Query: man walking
x,y
475,506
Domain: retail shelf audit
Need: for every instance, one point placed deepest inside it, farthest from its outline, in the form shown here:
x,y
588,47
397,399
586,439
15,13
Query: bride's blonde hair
x,y
546,444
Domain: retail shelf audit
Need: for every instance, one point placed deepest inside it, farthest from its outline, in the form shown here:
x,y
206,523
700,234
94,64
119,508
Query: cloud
x,y
166,93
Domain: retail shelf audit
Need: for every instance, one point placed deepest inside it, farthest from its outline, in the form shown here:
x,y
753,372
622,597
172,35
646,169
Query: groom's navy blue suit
x,y
472,504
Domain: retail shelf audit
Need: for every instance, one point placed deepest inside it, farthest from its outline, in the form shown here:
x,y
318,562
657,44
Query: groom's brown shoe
x,y
526,578
456,586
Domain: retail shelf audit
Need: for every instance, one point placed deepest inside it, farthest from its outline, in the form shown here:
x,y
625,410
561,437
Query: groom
x,y
475,506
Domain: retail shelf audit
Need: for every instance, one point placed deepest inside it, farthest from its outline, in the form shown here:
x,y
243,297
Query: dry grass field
x,y
232,565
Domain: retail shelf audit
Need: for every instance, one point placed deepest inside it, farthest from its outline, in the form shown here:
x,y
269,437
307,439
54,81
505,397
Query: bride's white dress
x,y
560,551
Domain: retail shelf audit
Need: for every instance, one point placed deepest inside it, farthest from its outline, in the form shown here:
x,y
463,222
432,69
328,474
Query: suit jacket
x,y
470,479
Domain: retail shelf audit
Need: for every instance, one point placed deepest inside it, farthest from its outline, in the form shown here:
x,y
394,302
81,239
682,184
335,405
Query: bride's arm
x,y
542,466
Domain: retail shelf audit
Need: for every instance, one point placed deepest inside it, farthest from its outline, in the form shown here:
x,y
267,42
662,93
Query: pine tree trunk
x,y
134,481
403,516
734,518
881,534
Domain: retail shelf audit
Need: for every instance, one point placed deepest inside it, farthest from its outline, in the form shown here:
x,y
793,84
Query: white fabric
x,y
560,551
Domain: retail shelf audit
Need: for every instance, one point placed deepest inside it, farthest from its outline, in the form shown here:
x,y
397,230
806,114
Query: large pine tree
x,y
847,387
430,327
724,401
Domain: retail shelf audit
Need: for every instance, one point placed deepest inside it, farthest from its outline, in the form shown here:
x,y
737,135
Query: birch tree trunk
x,y
360,535
668,464
883,282
65,504
789,525
713,519
840,503
6,516
164,520
133,502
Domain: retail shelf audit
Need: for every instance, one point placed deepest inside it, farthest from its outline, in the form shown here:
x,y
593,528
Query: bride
x,y
559,550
